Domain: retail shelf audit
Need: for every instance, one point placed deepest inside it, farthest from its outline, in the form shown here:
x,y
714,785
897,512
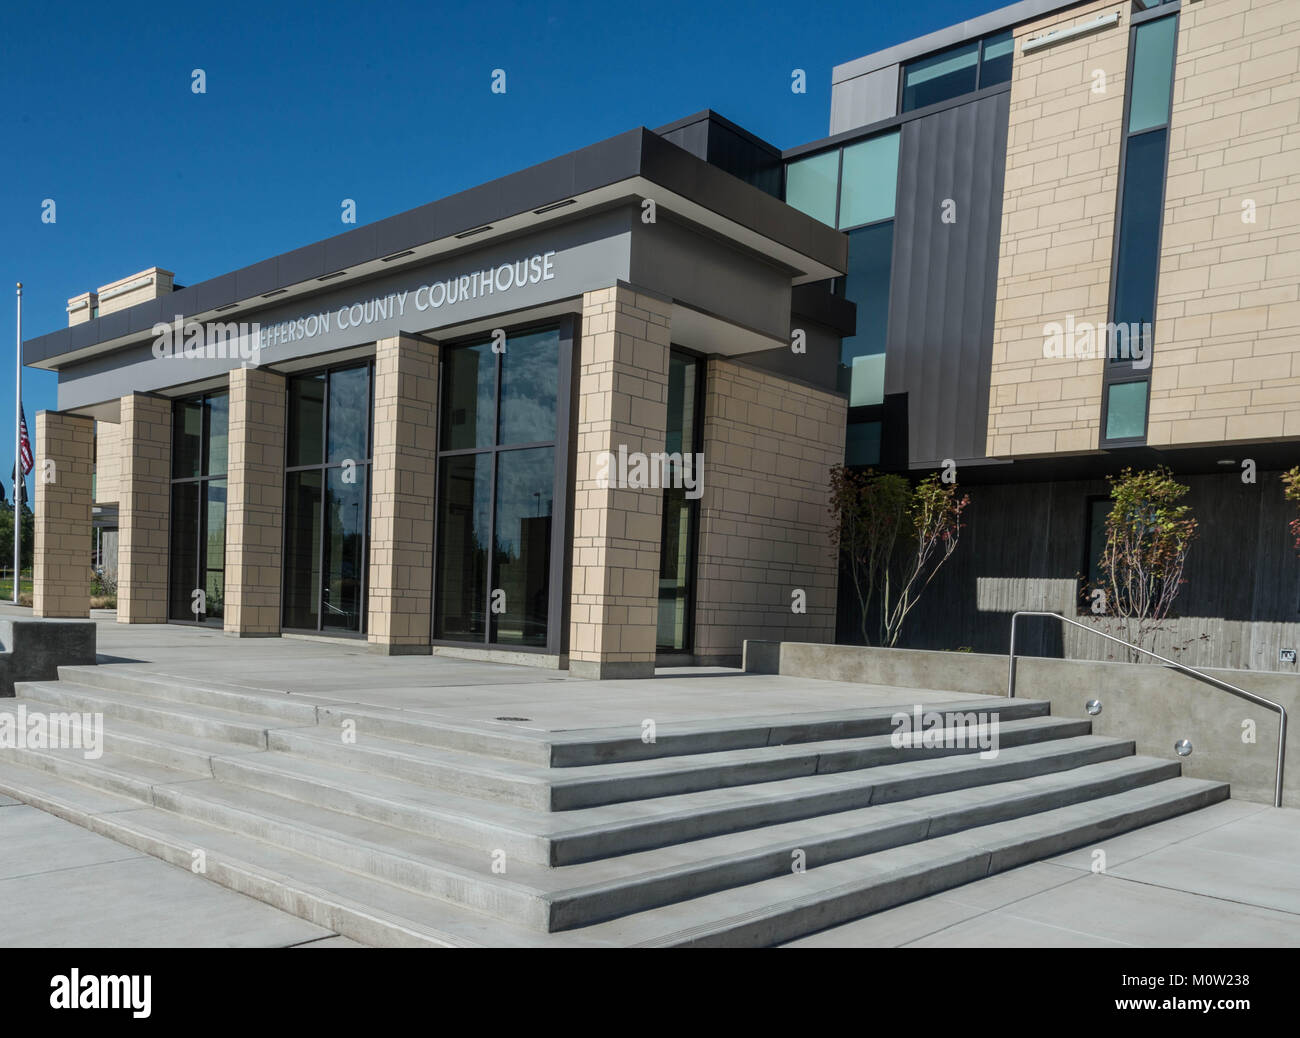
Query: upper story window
x,y
958,70
849,192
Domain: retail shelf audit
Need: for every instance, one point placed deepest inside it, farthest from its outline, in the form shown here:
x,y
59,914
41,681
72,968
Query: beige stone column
x,y
254,502
622,402
61,556
144,505
402,467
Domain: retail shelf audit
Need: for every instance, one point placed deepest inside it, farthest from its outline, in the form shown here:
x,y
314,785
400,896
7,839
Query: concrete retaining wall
x,y
1149,703
33,650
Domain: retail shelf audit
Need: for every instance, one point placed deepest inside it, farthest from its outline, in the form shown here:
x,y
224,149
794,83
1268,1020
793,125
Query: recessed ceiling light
x,y
330,277
1227,461
554,205
228,306
397,255
476,230
276,292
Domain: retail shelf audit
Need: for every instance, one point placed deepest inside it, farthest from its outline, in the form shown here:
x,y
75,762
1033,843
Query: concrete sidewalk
x,y
1225,876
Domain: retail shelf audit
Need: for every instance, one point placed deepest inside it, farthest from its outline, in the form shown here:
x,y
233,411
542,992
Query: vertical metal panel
x,y
944,288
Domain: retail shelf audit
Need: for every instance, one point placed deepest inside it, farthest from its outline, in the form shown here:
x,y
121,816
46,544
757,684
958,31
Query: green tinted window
x,y
810,185
1153,69
1126,412
870,181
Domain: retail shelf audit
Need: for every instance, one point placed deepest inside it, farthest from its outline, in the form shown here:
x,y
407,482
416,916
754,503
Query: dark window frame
x,y
202,478
1123,371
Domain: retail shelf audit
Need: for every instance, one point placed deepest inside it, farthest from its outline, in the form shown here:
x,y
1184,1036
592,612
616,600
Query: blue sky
x,y
387,104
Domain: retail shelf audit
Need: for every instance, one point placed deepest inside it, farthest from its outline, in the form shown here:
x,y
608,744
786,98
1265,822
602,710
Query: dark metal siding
x,y
944,286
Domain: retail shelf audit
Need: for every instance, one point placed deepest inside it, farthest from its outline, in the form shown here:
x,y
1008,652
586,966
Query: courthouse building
x,y
1049,242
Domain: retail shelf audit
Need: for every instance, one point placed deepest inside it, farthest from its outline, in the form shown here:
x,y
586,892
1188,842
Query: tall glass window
x,y
681,504
1136,268
497,478
197,542
862,355
327,500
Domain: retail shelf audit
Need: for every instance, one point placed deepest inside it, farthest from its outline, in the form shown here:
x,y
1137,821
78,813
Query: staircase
x,y
394,829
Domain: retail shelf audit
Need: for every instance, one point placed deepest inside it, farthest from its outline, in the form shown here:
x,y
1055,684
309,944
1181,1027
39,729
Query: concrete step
x,y
896,863
782,909
585,834
552,899
255,702
187,719
593,785
360,907
674,739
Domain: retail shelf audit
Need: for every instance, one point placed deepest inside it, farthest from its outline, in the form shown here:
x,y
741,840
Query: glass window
x,y
995,59
680,512
495,505
941,76
1153,68
862,355
184,544
187,438
464,496
810,185
1098,511
529,369
869,181
469,399
521,555
349,414
306,419
1126,411
218,417
862,444
326,510
302,543
1137,262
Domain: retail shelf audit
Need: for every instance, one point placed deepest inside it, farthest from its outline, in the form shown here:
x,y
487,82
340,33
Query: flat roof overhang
x,y
637,163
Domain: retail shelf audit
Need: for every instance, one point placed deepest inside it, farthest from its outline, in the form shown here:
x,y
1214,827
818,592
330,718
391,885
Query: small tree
x,y
1291,485
894,539
872,511
1148,535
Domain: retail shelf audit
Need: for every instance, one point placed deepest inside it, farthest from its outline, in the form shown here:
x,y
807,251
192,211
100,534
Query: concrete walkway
x,y
1225,876
1222,876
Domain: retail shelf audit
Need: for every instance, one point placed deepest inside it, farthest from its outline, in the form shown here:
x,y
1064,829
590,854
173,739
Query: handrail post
x,y
1011,664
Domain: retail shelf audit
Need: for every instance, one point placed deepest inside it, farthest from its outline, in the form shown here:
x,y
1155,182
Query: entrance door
x,y
197,541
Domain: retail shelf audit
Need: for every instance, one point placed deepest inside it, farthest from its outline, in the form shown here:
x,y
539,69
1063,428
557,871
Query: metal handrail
x,y
1225,686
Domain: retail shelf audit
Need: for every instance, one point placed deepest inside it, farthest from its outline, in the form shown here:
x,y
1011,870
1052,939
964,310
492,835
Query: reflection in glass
x,y
862,355
941,76
680,512
218,418
302,544
1126,411
187,438
1137,263
183,571
810,185
1153,70
869,181
464,500
345,519
306,419
529,369
521,558
215,547
995,61
469,411
349,414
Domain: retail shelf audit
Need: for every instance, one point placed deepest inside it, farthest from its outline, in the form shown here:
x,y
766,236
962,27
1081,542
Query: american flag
x,y
24,444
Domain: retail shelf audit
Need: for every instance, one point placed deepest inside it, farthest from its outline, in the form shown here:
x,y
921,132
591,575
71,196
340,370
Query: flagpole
x,y
18,444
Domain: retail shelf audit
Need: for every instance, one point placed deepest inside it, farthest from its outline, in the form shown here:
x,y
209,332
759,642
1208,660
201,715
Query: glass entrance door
x,y
327,496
